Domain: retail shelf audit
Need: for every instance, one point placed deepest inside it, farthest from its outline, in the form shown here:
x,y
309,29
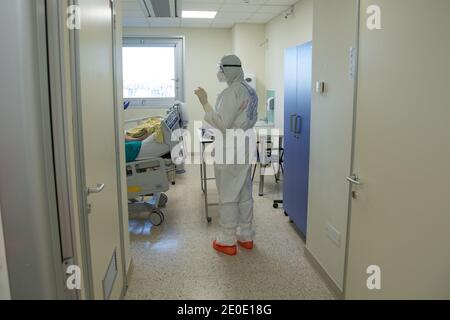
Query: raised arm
x,y
231,109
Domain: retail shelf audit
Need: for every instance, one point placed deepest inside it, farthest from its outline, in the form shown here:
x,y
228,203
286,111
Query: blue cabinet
x,y
297,119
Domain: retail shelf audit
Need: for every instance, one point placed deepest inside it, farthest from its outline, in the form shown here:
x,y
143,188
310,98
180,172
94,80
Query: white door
x,y
335,33
400,218
97,100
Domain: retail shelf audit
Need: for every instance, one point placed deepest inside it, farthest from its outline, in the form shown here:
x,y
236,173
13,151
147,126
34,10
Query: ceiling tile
x,y
275,10
253,2
222,25
260,17
165,24
133,14
164,20
282,2
131,5
239,8
207,1
195,24
233,15
229,12
225,21
200,6
196,20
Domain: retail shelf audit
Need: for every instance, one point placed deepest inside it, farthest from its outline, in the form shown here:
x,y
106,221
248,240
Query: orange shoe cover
x,y
229,250
246,245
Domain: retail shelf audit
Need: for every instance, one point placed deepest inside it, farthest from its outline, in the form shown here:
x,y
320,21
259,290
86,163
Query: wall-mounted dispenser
x,y
251,80
270,109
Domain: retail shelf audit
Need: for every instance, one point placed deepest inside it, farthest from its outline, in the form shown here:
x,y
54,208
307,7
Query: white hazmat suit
x,y
236,108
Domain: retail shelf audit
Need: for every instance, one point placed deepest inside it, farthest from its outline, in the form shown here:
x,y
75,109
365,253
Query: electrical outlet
x,y
333,234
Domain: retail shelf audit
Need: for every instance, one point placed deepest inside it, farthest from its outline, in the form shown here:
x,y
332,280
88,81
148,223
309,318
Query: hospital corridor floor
x,y
176,261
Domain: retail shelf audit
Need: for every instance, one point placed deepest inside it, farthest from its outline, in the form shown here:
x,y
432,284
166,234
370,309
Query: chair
x,y
271,158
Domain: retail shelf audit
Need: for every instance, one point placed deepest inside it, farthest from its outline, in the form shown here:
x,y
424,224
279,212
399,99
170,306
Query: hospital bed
x,y
151,174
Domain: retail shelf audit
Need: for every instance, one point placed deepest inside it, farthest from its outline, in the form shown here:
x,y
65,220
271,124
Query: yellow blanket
x,y
152,126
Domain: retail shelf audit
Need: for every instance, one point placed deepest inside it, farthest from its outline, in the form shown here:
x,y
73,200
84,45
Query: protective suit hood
x,y
232,68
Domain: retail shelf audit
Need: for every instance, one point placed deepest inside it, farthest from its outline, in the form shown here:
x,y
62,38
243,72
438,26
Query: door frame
x,y
60,130
118,142
352,157
56,18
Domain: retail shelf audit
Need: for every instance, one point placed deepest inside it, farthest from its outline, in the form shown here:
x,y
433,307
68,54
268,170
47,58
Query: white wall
x,y
281,34
248,45
4,282
203,50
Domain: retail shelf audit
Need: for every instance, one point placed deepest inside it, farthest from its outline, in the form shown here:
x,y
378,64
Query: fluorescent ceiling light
x,y
199,14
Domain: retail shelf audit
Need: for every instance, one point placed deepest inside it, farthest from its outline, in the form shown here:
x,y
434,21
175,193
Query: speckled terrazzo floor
x,y
176,261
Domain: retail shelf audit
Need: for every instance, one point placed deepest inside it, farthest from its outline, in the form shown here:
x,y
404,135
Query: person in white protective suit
x,y
236,108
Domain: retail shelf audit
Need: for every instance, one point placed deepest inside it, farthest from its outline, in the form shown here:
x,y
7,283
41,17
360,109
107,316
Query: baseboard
x,y
127,280
328,281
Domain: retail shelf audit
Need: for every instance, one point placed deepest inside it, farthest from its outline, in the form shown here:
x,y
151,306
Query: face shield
x,y
221,74
221,71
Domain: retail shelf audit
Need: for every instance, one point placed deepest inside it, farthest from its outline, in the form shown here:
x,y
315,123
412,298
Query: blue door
x,y
290,112
297,133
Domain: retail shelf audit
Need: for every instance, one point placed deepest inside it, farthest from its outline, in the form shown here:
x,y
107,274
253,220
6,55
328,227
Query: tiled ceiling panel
x,y
229,12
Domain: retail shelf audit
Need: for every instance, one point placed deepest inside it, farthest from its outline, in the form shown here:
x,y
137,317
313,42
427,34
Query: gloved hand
x,y
202,96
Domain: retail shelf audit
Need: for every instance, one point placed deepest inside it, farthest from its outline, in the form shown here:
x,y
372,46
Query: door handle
x,y
354,179
292,126
97,189
298,120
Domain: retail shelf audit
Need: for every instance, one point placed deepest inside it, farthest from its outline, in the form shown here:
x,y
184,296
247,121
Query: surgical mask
x,y
221,77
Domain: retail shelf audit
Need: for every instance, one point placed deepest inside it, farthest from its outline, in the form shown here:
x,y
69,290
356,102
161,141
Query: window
x,y
153,71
